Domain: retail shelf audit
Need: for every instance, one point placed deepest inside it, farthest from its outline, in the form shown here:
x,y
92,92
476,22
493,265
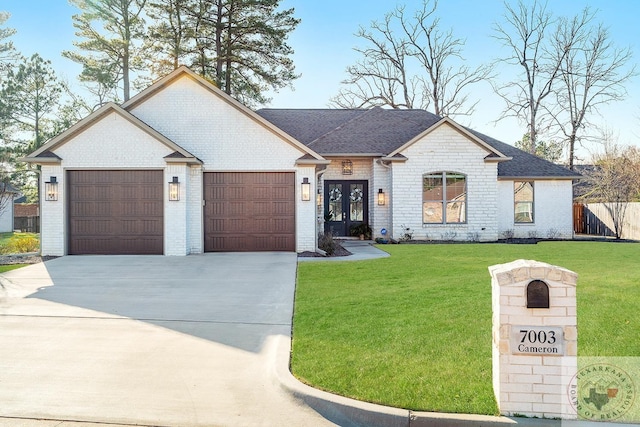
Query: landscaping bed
x,y
414,330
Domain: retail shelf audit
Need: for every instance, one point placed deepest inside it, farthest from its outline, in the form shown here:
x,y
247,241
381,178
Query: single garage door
x,y
249,211
115,212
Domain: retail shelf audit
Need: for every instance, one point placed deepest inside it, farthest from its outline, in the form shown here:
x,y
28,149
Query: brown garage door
x,y
249,211
115,212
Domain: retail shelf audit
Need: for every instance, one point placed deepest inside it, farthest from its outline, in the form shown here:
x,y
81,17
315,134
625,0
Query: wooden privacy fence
x,y
28,224
594,219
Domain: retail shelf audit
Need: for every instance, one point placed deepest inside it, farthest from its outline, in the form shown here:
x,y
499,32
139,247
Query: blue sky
x,y
324,42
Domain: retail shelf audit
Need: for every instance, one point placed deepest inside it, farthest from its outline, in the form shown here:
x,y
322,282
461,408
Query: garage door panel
x,y
116,212
249,211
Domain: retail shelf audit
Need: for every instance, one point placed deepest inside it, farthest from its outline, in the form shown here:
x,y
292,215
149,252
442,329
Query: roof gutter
x,y
539,178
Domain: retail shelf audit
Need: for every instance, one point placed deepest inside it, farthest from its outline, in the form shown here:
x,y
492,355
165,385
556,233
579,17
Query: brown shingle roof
x,y
379,131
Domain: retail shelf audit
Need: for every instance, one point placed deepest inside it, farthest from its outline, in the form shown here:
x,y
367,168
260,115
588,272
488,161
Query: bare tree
x,y
383,75
380,77
525,33
615,181
593,72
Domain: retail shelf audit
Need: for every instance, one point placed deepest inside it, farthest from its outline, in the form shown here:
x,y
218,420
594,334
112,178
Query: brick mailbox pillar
x,y
534,338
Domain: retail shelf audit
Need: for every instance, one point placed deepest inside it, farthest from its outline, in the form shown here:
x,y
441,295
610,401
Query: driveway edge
x,y
337,409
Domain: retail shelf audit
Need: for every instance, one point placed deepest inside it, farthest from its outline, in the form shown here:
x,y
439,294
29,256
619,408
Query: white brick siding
x,y
381,215
220,135
113,142
225,139
204,124
446,149
552,205
176,212
52,233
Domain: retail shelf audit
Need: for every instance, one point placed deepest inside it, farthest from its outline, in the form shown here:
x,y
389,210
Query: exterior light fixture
x,y
347,167
51,189
305,190
381,200
319,199
174,189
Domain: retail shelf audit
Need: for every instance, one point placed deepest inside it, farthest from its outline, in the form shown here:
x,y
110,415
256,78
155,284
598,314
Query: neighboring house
x,y
7,195
183,168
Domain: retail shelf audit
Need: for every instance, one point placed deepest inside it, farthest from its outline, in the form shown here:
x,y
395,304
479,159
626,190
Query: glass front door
x,y
346,203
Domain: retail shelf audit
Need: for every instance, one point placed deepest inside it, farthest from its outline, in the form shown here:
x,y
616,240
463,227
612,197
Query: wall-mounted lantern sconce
x,y
319,199
381,200
347,167
51,189
174,189
305,190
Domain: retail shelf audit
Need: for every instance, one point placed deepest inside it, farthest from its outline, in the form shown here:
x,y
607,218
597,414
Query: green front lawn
x,y
9,267
414,330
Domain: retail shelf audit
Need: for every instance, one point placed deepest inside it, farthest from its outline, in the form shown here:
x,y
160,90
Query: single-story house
x,y
182,168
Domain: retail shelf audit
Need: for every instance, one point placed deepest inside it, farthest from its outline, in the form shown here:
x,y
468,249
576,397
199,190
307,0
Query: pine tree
x,y
111,31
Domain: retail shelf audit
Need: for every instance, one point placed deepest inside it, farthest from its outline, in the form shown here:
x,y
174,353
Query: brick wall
x,y
553,214
533,385
222,136
52,236
225,139
446,149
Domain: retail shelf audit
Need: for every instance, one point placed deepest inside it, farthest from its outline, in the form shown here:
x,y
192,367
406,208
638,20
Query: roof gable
x,y
46,153
183,71
492,153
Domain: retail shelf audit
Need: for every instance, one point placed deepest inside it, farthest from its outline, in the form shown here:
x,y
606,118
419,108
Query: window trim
x,y
532,202
444,202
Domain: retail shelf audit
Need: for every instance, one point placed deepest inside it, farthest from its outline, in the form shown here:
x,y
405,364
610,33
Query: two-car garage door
x,y
122,211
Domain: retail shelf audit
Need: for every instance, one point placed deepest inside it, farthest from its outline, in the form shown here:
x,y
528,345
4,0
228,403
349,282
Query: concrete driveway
x,y
150,340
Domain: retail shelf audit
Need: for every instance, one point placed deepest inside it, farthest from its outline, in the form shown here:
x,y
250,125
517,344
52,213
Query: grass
x,y
414,330
15,243
9,267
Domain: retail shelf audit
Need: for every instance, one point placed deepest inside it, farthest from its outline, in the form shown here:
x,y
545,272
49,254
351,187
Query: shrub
x,y
507,234
407,234
361,229
553,233
17,244
327,243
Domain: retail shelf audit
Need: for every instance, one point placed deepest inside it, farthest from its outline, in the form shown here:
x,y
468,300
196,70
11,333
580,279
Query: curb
x,y
348,412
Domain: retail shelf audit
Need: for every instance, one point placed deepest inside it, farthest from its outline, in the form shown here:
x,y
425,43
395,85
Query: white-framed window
x,y
444,198
523,202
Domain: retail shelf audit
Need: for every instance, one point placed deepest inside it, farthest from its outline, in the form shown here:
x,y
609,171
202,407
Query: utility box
x,y
535,337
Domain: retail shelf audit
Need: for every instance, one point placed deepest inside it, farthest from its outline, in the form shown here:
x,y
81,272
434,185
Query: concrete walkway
x,y
360,250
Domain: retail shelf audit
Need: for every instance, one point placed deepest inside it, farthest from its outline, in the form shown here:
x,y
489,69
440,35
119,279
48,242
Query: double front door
x,y
345,205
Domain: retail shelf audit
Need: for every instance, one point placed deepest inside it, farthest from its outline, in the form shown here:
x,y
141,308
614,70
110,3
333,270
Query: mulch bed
x,y
23,259
340,251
